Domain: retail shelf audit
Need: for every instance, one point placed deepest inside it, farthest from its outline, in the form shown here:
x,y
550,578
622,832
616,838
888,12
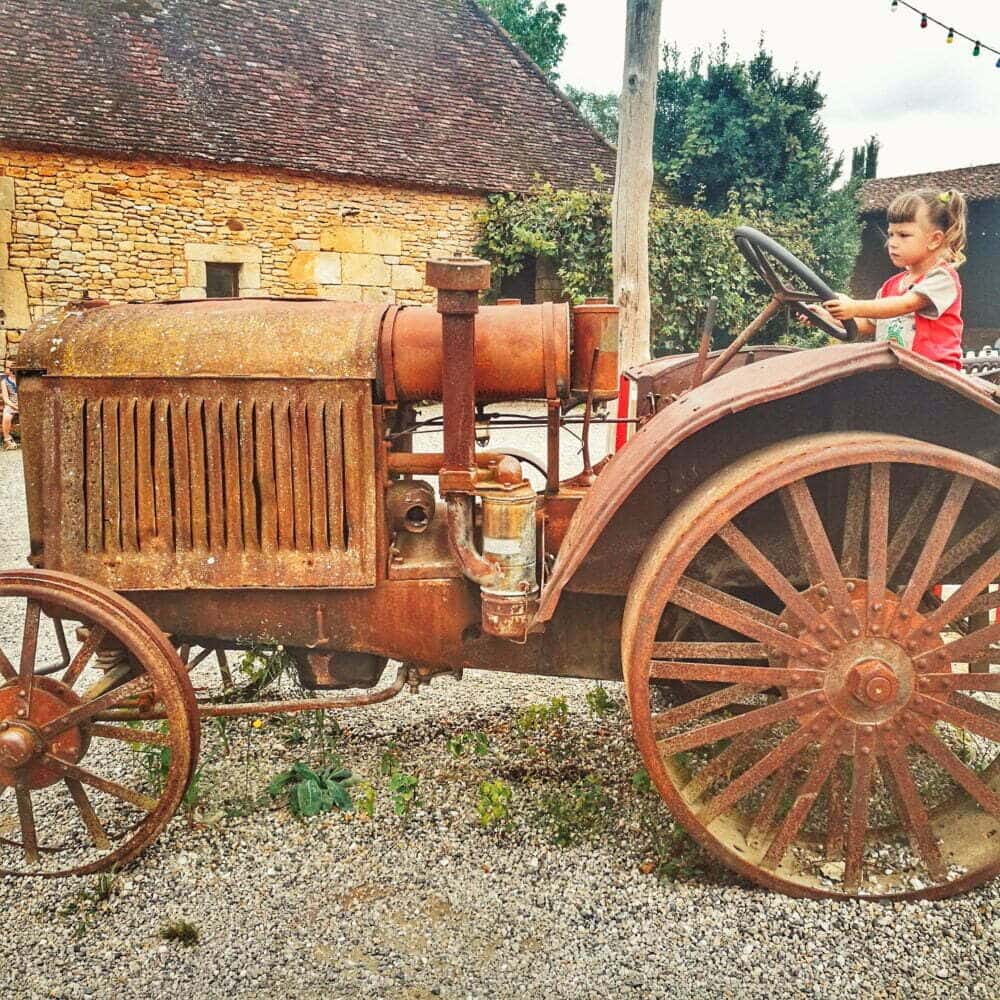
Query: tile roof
x,y
418,92
980,183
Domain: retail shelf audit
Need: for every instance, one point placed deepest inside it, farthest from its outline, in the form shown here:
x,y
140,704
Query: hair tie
x,y
945,196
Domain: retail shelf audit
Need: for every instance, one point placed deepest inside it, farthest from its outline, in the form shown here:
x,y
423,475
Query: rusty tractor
x,y
790,561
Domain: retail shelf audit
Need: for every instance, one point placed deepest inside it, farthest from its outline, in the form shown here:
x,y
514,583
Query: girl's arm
x,y
887,308
3,393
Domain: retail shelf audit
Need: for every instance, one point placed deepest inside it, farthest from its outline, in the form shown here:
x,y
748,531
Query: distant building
x,y
980,274
177,148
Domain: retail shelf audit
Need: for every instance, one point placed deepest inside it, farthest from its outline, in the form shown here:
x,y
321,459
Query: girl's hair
x,y
945,209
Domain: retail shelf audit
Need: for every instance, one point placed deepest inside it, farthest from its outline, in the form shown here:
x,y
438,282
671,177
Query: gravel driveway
x,y
431,903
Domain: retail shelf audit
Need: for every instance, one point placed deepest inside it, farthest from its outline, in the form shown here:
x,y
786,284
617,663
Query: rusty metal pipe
x,y
429,463
462,540
723,359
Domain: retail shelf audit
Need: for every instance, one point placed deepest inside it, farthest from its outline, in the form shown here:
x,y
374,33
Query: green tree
x,y
864,161
536,27
601,110
739,135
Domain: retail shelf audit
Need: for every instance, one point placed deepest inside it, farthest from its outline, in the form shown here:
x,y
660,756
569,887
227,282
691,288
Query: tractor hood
x,y
260,338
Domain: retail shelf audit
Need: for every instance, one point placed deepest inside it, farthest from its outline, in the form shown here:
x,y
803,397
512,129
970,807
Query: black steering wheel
x,y
762,253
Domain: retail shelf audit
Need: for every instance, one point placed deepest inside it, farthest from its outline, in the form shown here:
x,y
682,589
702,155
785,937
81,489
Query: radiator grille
x,y
251,484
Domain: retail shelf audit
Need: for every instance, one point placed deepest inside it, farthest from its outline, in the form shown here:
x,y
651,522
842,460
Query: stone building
x,y
176,148
981,187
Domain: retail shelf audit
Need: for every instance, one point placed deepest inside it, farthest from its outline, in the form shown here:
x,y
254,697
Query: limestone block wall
x,y
132,230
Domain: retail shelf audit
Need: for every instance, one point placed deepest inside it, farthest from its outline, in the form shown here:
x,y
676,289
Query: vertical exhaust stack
x,y
506,571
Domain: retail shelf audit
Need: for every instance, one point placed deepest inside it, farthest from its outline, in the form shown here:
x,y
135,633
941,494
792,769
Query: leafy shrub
x,y
310,792
403,790
600,703
493,804
555,711
692,257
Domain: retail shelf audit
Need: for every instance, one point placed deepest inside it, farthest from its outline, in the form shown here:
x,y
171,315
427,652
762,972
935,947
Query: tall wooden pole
x,y
634,178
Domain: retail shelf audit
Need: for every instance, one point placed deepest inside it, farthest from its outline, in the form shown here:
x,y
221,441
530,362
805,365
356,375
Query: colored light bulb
x,y
951,36
895,6
923,20
976,49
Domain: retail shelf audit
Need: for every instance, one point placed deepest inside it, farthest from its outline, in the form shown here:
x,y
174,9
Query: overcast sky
x,y
932,105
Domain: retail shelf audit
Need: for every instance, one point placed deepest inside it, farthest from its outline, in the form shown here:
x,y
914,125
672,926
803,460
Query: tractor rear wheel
x,y
848,743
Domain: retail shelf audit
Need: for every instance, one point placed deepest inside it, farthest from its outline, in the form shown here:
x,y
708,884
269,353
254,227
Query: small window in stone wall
x,y
222,281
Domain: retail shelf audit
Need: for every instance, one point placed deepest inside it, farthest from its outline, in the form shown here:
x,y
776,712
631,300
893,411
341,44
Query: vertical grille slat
x,y
265,457
248,490
181,468
196,455
112,481
161,475
283,474
300,476
317,478
335,474
192,483
231,476
144,473
127,478
213,475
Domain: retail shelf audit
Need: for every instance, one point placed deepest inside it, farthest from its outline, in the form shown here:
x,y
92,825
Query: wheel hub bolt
x,y
872,682
18,745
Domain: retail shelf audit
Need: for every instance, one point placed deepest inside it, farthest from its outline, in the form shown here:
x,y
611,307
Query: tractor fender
x,y
741,391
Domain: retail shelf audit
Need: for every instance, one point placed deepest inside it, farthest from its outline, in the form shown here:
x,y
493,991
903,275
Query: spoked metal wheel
x,y
849,746
82,790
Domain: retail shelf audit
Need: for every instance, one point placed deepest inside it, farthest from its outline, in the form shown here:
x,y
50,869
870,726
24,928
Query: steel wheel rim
x,y
160,680
683,536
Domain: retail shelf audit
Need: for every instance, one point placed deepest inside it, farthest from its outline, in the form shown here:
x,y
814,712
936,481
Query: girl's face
x,y
912,244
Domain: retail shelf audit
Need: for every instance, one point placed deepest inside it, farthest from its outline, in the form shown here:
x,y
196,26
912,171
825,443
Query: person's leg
x,y
8,423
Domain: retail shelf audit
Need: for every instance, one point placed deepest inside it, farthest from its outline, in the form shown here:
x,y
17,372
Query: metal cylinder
x,y
410,504
509,541
595,350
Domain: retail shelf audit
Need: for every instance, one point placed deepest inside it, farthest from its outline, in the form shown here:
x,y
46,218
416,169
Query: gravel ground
x,y
430,903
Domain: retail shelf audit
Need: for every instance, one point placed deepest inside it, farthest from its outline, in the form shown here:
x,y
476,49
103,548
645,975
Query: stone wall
x,y
125,230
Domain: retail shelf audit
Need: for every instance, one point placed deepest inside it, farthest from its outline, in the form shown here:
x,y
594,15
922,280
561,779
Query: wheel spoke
x,y
936,749
801,508
835,814
87,814
127,735
130,795
753,720
972,543
854,522
984,720
913,815
761,677
75,716
857,820
805,799
747,619
709,651
83,655
878,530
29,649
924,572
7,670
770,575
964,682
698,707
781,756
723,763
26,817
967,649
953,607
906,530
763,823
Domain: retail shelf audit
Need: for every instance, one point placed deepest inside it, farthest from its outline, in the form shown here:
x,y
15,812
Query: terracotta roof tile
x,y
418,92
980,183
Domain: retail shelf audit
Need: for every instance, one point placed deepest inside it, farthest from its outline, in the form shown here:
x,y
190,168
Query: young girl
x,y
921,307
8,402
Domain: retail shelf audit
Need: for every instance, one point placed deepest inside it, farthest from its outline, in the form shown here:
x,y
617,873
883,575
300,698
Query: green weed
x,y
573,814
403,790
310,792
493,804
553,712
600,703
364,798
476,742
181,931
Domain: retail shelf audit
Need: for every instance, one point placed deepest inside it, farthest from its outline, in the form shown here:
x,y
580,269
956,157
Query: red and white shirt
x,y
935,331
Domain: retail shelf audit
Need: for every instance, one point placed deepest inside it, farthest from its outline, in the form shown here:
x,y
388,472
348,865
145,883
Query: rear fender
x,y
872,387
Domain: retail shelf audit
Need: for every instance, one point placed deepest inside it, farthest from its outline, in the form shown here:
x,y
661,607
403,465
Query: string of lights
x,y
978,47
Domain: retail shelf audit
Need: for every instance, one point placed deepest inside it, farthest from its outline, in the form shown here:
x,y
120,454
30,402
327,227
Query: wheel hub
x,y
873,683
22,750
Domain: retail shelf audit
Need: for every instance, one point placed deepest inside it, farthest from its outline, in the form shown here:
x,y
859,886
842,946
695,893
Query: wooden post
x,y
634,178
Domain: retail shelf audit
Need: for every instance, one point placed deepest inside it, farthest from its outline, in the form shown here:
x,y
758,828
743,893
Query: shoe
x,y
10,446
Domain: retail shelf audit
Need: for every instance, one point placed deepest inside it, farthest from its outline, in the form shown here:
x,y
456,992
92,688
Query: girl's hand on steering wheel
x,y
842,307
